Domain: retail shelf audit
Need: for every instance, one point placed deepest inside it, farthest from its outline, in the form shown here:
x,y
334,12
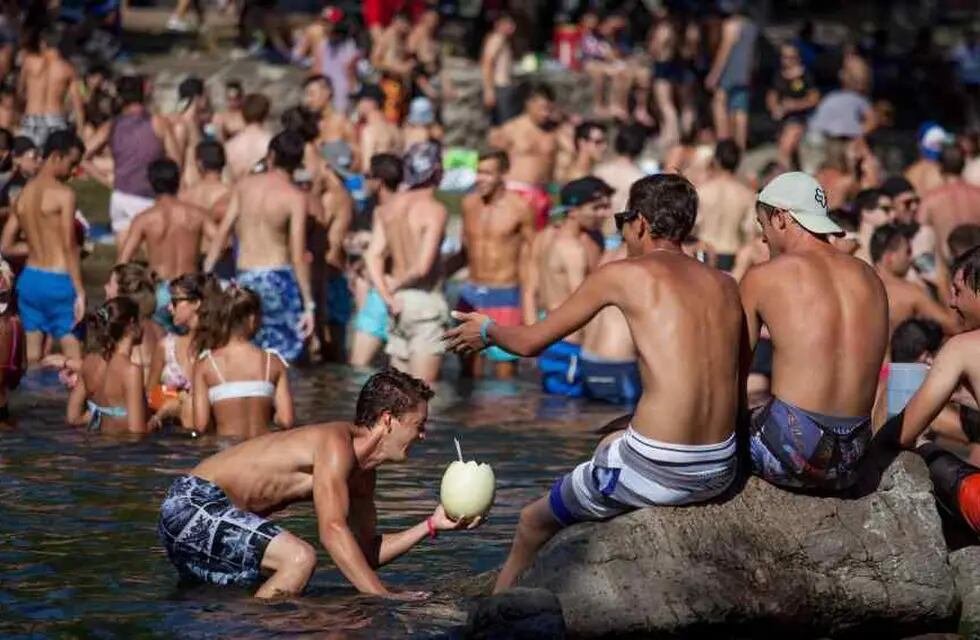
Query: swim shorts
x,y
725,261
46,301
970,423
282,309
207,538
794,448
38,127
337,299
372,317
762,358
615,382
537,197
419,327
501,304
162,315
560,371
124,207
738,99
633,471
955,483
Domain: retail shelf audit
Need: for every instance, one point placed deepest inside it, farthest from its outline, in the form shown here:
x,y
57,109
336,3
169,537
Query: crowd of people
x,y
783,302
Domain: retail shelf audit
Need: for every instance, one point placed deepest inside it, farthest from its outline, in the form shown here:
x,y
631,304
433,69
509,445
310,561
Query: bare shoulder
x,y
470,203
517,203
331,441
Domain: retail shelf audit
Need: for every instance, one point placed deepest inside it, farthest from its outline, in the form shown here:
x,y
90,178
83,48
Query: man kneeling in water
x,y
213,521
827,313
680,447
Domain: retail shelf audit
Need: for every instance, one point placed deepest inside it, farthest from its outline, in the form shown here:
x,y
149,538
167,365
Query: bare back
x,y
608,335
46,81
532,151
246,149
172,232
948,207
406,219
265,205
827,313
494,235
246,417
723,205
39,210
103,381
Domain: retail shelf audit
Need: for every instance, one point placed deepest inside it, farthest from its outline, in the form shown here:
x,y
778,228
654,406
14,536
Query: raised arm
x,y
935,392
224,230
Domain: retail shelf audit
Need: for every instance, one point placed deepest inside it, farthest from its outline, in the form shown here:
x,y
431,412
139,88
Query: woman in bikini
x,y
239,384
109,396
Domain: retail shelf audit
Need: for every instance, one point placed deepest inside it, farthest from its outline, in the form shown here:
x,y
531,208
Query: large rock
x,y
765,562
966,568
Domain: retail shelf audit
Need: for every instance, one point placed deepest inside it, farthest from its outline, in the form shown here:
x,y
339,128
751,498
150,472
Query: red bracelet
x,y
433,532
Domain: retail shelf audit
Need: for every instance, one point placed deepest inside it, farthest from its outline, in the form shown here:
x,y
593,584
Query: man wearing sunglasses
x,y
827,313
687,323
874,209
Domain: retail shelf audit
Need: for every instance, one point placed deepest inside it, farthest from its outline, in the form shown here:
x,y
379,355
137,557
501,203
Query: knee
x,y
302,557
529,520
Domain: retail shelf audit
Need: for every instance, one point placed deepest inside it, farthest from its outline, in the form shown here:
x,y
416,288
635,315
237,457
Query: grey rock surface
x,y
966,570
534,614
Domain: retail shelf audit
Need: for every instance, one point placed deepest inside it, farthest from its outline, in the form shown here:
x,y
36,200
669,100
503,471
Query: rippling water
x,y
79,555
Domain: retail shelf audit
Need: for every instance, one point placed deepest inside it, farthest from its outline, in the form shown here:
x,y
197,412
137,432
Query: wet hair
x,y
164,176
130,90
211,155
503,161
225,314
963,238
886,238
107,325
319,78
191,87
867,200
255,108
288,148
389,391
584,130
630,141
137,282
533,90
951,160
301,120
669,204
969,264
62,142
727,155
845,218
387,167
915,338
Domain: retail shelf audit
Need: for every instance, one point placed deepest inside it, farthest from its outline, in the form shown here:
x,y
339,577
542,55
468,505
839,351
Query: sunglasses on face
x,y
622,218
909,203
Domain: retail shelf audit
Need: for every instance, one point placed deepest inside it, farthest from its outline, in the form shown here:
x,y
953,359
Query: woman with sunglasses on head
x,y
109,393
240,385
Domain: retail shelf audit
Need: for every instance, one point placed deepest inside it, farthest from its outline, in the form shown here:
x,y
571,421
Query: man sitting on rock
x,y
680,447
827,313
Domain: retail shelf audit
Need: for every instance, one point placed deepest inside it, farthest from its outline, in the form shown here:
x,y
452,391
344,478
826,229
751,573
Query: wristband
x,y
484,329
433,532
309,307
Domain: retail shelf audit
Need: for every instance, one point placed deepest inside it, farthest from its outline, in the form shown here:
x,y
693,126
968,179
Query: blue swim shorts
x,y
560,372
738,99
610,381
282,309
338,301
46,301
372,318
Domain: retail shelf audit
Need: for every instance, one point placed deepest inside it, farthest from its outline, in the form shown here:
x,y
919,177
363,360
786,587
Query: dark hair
x,y
196,286
951,159
630,141
222,315
50,37
387,167
164,176
135,281
845,218
319,78
867,199
914,338
288,148
389,391
130,90
538,90
255,108
887,237
21,145
583,131
969,264
727,155
6,139
895,185
62,142
99,69
963,238
302,121
191,87
211,155
235,84
106,327
669,204
503,161
100,107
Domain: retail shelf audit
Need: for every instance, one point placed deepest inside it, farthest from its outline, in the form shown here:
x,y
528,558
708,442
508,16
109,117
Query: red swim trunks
x,y
536,196
968,497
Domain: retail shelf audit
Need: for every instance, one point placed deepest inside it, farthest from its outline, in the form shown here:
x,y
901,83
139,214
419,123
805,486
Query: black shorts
x,y
970,423
762,360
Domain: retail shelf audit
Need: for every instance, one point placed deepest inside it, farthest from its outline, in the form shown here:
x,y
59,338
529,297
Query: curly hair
x,y
389,391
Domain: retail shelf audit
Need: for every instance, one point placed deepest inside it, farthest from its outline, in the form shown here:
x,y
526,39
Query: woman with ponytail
x,y
242,386
109,393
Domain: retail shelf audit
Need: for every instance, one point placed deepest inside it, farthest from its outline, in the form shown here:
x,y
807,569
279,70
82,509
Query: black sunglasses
x,y
623,218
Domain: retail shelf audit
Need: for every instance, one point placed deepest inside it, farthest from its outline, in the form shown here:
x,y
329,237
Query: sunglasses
x,y
622,218
909,202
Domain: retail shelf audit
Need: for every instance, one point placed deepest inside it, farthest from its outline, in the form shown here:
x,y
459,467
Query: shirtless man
x,y
409,230
679,311
532,148
891,255
337,213
725,204
496,71
268,213
874,209
50,295
46,79
622,170
953,203
498,228
251,144
377,134
925,173
827,313
318,98
230,121
193,109
333,465
390,52
589,142
211,194
562,255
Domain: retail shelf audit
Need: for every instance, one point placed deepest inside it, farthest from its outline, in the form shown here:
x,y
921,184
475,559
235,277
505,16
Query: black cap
x,y
895,185
370,92
584,190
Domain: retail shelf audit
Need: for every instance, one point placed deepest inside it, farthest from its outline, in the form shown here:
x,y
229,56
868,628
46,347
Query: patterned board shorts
x,y
282,309
209,540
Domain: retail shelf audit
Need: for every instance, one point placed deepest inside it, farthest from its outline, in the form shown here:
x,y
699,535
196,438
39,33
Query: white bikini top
x,y
242,388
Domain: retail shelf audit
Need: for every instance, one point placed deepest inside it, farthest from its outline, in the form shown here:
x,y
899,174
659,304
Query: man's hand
x,y
306,323
466,337
443,522
395,307
79,306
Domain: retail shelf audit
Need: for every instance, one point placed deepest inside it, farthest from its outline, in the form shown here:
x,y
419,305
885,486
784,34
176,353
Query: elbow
x,y
285,420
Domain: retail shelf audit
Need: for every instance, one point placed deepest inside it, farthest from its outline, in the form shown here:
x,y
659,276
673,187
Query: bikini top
x,y
96,411
173,376
242,388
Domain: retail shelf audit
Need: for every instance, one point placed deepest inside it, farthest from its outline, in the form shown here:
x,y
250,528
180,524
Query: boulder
x,y
764,562
531,614
966,570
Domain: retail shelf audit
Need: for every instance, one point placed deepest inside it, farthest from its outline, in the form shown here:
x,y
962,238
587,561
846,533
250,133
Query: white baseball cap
x,y
802,196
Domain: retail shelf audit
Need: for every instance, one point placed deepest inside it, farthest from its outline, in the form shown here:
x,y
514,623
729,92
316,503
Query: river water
x,y
79,556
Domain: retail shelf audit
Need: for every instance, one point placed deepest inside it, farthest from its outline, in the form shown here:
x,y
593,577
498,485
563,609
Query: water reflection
x,y
78,548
